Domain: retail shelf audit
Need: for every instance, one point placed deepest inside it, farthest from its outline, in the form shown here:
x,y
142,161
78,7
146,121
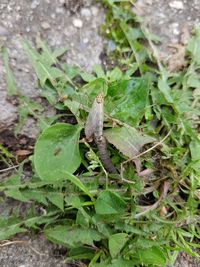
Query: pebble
x,y
45,25
94,10
34,4
3,31
59,10
28,29
77,23
85,40
176,4
62,2
85,12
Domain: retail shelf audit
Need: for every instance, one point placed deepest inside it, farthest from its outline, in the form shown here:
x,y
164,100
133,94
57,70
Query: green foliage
x,y
105,219
51,153
11,84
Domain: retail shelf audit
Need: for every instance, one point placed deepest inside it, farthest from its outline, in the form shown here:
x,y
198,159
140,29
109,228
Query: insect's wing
x,y
94,123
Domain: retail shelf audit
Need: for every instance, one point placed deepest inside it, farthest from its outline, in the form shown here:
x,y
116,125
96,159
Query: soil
x,y
73,24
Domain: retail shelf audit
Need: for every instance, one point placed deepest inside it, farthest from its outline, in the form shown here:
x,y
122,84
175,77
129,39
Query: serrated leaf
x,y
11,230
72,236
128,140
57,150
46,56
16,194
109,203
116,242
43,70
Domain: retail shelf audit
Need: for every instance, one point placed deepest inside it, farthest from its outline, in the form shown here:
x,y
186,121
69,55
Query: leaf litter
x,y
105,216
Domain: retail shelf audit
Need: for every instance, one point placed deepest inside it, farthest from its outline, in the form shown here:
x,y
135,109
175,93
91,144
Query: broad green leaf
x,y
72,236
10,80
87,77
110,203
151,256
114,75
116,242
97,69
56,198
56,150
128,140
127,99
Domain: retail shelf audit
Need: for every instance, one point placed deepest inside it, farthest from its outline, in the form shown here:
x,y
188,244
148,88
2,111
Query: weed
x,y
131,198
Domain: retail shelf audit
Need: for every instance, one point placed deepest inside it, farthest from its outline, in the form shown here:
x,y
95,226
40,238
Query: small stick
x,y
9,168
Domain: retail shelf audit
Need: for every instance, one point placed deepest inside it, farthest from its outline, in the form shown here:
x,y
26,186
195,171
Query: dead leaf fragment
x,y
128,140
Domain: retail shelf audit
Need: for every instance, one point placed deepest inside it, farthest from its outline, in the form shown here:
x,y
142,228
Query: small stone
x,y
34,4
18,8
85,12
94,10
85,40
62,2
176,4
176,31
45,25
53,15
3,31
77,23
28,29
59,10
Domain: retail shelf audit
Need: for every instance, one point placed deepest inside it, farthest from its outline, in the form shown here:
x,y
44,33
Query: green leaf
x,y
110,203
153,255
56,150
165,89
114,75
72,178
97,69
80,253
10,80
116,242
193,46
72,236
195,154
87,77
127,99
10,230
47,56
43,70
128,140
16,194
57,199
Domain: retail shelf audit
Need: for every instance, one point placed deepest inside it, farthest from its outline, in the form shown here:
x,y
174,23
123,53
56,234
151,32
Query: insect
x,y
94,128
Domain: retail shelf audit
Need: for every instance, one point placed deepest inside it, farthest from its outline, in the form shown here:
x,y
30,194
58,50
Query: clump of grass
x,y
145,211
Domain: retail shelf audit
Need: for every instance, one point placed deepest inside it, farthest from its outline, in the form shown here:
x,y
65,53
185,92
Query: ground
x,y
74,25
